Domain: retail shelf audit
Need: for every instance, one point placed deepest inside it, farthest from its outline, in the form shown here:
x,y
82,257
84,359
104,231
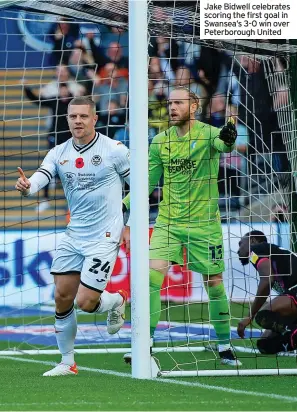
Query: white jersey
x,y
92,177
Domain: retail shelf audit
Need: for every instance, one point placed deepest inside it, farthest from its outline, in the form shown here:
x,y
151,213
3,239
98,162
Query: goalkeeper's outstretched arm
x,y
224,140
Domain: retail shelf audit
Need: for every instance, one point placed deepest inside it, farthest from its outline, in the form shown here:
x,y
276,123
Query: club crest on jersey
x,y
96,160
193,144
79,163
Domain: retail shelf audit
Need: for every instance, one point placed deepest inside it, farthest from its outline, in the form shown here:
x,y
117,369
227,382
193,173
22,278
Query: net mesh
x,y
174,18
256,181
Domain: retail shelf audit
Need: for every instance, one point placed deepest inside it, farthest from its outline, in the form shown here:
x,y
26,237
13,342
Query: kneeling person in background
x,y
277,268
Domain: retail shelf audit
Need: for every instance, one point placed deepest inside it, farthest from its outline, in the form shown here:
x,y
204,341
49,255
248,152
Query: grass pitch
x,y
104,381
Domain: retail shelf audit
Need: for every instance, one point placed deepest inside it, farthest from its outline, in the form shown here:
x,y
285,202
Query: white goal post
x,y
138,109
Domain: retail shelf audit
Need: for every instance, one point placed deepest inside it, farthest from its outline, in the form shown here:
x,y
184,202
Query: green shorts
x,y
204,246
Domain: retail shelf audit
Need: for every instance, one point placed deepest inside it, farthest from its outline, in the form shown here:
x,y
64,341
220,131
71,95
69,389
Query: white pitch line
x,y
168,381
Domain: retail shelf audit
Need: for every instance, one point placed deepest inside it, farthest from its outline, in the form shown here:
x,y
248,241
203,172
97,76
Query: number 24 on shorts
x,y
216,252
105,267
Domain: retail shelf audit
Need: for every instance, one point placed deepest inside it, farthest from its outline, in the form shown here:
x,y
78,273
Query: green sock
x,y
156,281
219,312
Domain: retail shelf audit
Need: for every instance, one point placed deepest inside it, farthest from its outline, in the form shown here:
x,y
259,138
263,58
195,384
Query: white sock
x,y
109,301
66,328
222,348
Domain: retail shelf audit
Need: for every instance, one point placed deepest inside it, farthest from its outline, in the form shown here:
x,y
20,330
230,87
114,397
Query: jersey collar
x,y
86,147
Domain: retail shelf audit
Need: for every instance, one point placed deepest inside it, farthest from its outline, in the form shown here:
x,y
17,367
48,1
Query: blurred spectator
x,y
157,104
262,117
98,53
62,76
80,62
166,49
232,170
59,130
122,135
112,88
154,70
225,99
112,120
222,90
63,35
114,54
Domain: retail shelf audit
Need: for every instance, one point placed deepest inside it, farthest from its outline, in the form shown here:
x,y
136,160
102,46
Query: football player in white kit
x,y
91,167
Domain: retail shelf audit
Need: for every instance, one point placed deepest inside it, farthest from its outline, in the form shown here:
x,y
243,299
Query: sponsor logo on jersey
x,y
86,181
70,178
64,161
184,166
96,160
254,258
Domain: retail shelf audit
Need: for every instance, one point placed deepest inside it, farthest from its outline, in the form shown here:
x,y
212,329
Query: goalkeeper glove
x,y
228,133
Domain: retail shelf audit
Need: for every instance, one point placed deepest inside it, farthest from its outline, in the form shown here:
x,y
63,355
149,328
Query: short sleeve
x,y
259,253
122,160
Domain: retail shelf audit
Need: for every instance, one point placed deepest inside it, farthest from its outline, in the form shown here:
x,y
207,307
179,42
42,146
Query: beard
x,y
244,261
181,121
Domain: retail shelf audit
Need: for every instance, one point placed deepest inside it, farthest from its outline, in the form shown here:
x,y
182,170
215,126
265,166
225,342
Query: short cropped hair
x,y
83,101
258,235
193,96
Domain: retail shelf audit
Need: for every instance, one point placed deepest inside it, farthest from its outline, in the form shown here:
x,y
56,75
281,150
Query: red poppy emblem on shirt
x,y
79,162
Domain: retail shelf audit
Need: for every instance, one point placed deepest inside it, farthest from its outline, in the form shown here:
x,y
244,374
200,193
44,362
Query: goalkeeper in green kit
x,y
187,155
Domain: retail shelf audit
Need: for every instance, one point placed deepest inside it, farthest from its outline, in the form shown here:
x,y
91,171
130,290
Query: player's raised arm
x,y
224,140
23,184
40,178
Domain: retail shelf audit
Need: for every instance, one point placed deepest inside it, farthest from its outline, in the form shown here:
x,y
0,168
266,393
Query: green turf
x,y
194,312
23,387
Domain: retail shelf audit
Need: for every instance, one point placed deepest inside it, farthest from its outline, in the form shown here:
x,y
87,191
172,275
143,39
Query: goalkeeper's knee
x,y
156,279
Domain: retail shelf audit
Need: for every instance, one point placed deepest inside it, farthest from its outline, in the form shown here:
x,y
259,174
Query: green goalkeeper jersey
x,y
190,166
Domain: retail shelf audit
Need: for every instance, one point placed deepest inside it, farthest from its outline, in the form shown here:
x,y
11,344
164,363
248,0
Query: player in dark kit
x,y
277,268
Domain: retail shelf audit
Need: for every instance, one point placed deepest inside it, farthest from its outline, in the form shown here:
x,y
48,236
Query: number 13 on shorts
x,y
216,252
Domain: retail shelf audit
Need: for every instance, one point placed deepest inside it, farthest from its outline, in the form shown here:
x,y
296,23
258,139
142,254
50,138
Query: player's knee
x,y
156,278
263,346
216,291
212,281
86,305
63,297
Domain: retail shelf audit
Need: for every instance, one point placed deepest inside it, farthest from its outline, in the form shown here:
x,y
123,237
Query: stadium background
x,y
31,228
31,52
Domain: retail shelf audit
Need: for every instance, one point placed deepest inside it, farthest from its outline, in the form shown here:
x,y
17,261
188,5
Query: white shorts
x,y
93,260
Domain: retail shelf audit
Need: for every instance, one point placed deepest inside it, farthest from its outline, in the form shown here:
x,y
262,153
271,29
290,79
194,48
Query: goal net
x,y
82,48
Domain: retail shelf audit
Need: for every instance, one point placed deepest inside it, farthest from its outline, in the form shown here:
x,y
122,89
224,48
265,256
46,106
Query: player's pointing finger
x,y
21,172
